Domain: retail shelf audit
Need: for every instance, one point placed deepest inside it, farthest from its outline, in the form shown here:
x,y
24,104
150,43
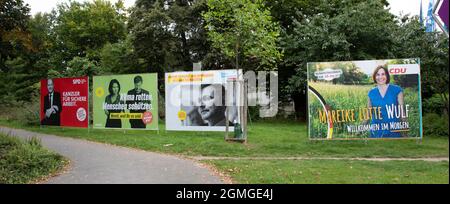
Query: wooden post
x,y
245,110
226,123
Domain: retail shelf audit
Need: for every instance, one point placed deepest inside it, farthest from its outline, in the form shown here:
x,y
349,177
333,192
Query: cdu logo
x,y
397,70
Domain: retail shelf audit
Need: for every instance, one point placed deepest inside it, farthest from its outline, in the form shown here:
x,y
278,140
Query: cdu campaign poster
x,y
126,101
65,102
373,99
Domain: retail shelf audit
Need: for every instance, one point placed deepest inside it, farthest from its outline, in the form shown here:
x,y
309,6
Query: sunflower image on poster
x,y
374,99
126,101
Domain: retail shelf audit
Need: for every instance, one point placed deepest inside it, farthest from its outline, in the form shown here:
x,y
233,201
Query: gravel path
x,y
93,162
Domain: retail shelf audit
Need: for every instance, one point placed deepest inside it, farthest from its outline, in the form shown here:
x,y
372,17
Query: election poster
x,y
65,102
126,101
199,100
374,99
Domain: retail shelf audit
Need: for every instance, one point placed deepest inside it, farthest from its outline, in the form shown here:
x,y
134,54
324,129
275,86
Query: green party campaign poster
x,y
126,101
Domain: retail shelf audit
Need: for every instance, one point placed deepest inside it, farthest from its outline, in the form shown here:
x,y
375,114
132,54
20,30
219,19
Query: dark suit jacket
x,y
133,92
137,123
54,118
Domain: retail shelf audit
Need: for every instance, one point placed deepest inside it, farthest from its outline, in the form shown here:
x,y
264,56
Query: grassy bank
x,y
334,171
26,161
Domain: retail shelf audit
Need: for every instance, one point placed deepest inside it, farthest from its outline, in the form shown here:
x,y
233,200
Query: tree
x,y
17,48
335,31
149,29
14,16
411,40
66,42
169,35
119,57
82,66
82,29
243,30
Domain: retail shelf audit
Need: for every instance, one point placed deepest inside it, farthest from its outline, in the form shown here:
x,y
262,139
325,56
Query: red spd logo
x,y
147,117
78,81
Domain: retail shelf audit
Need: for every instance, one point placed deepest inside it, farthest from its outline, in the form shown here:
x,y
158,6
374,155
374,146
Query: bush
x,y
24,162
435,104
24,112
435,125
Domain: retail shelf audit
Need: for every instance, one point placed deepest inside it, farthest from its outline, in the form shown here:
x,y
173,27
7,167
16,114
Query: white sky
x,y
411,7
48,5
396,6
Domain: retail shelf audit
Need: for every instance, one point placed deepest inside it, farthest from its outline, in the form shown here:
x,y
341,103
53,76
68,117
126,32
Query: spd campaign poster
x,y
374,99
65,102
126,101
198,100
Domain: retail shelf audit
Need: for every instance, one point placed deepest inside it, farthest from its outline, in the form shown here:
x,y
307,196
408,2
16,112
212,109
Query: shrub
x,y
24,162
435,125
24,112
434,104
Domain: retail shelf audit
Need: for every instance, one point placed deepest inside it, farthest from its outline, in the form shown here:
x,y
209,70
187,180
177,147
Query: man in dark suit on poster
x,y
52,106
140,96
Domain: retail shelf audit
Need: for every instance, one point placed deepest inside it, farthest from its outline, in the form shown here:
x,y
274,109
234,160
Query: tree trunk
x,y
301,110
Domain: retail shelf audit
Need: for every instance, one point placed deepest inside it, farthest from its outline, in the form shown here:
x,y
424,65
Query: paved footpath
x,y
93,162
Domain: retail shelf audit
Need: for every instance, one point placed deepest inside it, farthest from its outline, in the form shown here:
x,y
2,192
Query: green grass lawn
x,y
334,171
274,139
26,161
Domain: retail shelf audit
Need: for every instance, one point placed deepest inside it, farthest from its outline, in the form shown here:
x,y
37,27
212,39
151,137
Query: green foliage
x,y
434,104
84,28
14,15
66,42
25,162
243,29
82,66
25,111
16,51
81,30
432,49
328,30
436,125
356,30
20,82
118,58
349,31
167,35
78,66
